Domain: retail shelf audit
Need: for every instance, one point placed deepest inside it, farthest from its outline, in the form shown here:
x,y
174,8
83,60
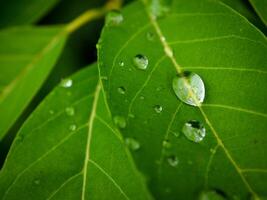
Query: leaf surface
x,y
27,55
69,149
229,54
260,7
23,12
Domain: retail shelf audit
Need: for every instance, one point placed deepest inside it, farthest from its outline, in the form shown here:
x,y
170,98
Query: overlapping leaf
x,y
260,7
69,149
208,38
27,55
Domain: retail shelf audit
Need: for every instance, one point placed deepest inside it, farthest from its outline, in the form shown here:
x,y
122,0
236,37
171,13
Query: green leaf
x,y
27,55
229,54
69,149
23,12
260,7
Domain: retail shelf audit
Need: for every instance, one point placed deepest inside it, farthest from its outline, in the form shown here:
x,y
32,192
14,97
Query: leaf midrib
x,y
179,69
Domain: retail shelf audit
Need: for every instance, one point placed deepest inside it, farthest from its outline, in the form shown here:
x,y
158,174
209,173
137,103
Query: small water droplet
x,y
51,112
189,85
173,161
121,90
119,121
194,131
210,195
114,18
121,63
213,150
176,134
131,115
142,97
66,83
70,111
166,144
150,36
158,108
36,182
132,143
140,61
160,8
105,78
158,89
72,127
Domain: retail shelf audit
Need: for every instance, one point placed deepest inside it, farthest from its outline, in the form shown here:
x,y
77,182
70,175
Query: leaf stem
x,y
91,15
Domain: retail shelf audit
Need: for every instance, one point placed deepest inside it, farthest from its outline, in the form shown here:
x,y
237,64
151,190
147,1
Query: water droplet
x,y
66,83
105,78
194,131
131,115
150,36
173,161
159,8
121,90
70,111
140,61
36,182
142,97
132,143
189,88
121,63
120,121
72,127
114,18
166,144
213,150
210,195
158,89
158,108
51,112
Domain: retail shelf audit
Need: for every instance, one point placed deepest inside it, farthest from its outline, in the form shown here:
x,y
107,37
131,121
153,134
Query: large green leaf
x,y
222,47
13,12
69,149
27,55
260,7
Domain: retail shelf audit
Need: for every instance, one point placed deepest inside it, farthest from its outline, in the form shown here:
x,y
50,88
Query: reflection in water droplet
x,y
166,144
121,63
194,131
187,86
159,8
140,61
70,111
114,18
210,195
119,121
150,36
121,90
66,83
173,161
132,143
72,127
158,108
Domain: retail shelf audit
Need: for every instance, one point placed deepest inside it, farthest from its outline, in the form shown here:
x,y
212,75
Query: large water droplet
x,y
66,83
70,111
210,195
132,143
119,121
189,88
121,90
159,8
173,161
114,18
140,61
158,108
194,130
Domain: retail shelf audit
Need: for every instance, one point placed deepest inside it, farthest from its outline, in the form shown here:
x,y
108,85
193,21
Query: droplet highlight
x,y
158,108
140,61
119,121
132,143
66,83
70,111
114,18
189,88
194,131
121,90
